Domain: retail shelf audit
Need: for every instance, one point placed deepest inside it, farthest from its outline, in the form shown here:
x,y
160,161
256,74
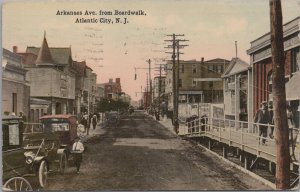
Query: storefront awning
x,y
292,87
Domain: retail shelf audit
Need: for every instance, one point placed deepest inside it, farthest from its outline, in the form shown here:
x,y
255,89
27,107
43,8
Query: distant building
x,y
89,91
199,81
80,75
125,98
159,83
261,61
15,90
99,92
238,90
112,90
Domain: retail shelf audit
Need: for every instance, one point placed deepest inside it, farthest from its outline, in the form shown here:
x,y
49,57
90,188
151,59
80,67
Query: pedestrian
x,y
157,115
94,121
292,130
22,116
85,122
262,118
271,122
77,150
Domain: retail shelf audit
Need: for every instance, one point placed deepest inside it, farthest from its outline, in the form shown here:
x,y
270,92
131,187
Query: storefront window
x,y
296,60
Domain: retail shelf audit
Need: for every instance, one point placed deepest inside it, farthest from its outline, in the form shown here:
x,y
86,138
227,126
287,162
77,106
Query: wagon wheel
x,y
17,184
43,174
63,163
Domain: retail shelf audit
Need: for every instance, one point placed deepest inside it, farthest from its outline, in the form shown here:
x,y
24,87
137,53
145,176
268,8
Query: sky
x,y
114,50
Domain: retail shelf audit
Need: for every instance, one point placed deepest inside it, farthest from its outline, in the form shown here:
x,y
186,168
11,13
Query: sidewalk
x,y
167,123
99,130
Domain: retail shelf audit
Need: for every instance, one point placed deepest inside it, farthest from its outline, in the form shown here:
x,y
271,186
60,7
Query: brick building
x,y
112,90
199,81
261,61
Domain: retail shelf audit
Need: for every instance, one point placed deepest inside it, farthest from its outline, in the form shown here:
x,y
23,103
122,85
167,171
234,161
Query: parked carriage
x,y
113,118
37,149
13,158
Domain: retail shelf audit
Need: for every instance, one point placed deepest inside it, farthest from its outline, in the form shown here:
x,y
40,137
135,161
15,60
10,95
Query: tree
x,y
111,105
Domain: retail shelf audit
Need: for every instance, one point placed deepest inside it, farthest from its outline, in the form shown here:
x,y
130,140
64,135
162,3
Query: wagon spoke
x,y
21,185
16,186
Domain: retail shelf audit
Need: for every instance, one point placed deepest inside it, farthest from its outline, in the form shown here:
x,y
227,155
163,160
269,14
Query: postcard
x,y
150,95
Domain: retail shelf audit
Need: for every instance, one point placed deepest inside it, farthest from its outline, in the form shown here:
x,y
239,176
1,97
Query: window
x,y
295,60
194,68
211,84
220,69
270,82
194,83
37,115
181,68
180,83
31,115
14,103
210,69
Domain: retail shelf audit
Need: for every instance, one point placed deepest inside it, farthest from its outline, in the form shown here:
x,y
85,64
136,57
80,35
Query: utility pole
x,y
150,83
147,93
175,43
159,89
279,98
235,49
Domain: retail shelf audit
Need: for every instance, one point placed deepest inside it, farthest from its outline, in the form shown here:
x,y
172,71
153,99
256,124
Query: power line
x,y
175,44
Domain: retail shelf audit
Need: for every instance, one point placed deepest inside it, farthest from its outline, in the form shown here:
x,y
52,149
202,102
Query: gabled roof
x,y
217,60
60,55
235,66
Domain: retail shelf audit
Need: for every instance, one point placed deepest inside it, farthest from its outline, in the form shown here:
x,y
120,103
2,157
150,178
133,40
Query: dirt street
x,y
140,154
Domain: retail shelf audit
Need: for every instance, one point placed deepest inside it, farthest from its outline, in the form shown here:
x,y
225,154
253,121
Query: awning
x,y
292,87
190,92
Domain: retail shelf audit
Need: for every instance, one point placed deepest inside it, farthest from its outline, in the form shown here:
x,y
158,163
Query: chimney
x,y
110,80
15,49
202,59
118,81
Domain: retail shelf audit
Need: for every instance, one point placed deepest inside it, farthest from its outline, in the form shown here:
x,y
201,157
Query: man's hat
x,y
270,104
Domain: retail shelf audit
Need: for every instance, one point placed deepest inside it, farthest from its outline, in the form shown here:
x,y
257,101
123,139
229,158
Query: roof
x,y
216,60
63,116
28,58
60,55
235,66
79,67
44,55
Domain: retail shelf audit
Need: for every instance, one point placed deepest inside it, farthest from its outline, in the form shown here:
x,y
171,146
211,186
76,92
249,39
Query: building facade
x,y
237,90
199,81
15,89
112,90
51,76
261,61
